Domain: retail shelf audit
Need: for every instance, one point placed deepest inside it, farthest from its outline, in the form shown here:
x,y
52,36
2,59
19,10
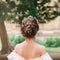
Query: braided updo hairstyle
x,y
29,27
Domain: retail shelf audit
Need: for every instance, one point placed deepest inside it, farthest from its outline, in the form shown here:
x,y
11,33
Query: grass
x,y
53,50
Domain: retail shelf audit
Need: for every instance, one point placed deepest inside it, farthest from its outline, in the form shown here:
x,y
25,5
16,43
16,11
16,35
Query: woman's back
x,y
29,50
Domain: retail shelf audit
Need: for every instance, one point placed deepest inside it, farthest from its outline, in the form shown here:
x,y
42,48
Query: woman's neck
x,y
30,40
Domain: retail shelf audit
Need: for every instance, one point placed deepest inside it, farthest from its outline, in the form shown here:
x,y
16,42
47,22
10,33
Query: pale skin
x,y
29,49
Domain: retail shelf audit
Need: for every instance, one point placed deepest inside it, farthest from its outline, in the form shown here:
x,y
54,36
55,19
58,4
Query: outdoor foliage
x,y
53,42
18,9
50,42
16,40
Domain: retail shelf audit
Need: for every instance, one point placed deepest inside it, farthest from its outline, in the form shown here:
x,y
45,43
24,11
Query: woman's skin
x,y
29,49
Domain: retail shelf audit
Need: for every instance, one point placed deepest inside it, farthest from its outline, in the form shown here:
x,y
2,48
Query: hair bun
x,y
29,26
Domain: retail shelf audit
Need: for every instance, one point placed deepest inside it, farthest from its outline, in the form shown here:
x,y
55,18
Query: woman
x,y
29,49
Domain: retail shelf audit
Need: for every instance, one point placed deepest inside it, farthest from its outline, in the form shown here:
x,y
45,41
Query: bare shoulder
x,y
18,46
40,46
41,49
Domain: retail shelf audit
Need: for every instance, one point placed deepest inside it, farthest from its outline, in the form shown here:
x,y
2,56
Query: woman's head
x,y
29,27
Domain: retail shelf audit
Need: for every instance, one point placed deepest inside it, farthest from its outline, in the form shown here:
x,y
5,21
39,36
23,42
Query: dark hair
x,y
29,27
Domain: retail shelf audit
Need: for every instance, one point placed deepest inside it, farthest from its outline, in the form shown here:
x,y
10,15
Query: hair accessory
x,y
34,18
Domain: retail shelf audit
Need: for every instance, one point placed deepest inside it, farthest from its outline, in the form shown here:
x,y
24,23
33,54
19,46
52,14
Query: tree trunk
x,y
4,38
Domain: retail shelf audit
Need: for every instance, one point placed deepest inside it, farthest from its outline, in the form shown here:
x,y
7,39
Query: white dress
x,y
14,56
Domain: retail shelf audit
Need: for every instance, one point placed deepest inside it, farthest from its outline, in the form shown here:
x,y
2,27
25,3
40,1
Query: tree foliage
x,y
18,9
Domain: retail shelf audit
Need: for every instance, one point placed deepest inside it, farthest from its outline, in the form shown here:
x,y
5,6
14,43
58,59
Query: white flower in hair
x,y
33,18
